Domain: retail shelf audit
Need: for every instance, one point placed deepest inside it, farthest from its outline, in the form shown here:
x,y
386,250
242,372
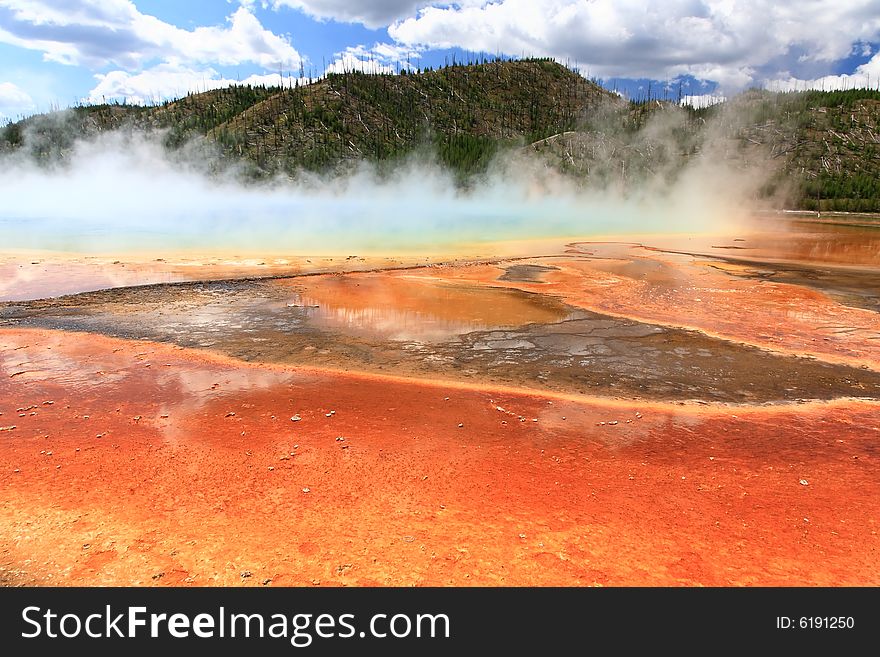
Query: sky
x,y
58,53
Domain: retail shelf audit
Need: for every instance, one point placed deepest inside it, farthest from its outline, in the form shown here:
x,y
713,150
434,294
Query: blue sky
x,y
55,53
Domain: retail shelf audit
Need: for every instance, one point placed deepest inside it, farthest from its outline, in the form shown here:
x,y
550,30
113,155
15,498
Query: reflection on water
x,y
36,280
796,241
655,272
832,245
403,324
415,309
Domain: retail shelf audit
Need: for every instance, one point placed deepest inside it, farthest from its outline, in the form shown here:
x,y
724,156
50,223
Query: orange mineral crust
x,y
627,280
134,463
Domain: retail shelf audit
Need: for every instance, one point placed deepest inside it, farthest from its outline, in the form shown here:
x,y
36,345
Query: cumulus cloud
x,y
866,75
727,41
381,58
13,100
96,33
702,100
169,81
371,13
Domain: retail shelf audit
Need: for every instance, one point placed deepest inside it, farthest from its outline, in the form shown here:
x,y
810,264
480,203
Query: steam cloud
x,y
123,193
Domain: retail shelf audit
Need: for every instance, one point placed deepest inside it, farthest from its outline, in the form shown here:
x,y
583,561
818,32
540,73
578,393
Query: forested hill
x,y
820,149
463,113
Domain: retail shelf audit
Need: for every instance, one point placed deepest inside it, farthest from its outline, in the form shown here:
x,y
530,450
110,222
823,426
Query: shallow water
x,y
430,328
506,322
413,309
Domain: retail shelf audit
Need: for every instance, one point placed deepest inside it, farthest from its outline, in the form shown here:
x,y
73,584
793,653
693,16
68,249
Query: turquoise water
x,y
133,200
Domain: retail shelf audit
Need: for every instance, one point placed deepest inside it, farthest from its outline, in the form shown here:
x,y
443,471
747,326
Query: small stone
x,y
230,414
295,418
522,535
158,575
17,470
245,574
613,422
339,439
460,425
307,490
267,581
48,402
86,546
316,582
271,467
804,482
58,467
446,399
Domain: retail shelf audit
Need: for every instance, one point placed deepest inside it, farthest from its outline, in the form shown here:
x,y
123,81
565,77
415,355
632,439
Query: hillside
x,y
816,150
820,149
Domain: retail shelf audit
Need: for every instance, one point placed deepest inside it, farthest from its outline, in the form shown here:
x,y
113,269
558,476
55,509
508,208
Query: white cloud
x,y
727,41
14,101
381,58
865,76
352,59
371,13
98,33
703,100
273,80
169,81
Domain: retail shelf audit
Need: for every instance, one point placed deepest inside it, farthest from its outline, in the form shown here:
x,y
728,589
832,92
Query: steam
x,y
123,193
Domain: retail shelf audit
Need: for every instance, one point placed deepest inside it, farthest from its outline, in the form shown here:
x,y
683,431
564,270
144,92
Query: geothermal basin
x,y
641,410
